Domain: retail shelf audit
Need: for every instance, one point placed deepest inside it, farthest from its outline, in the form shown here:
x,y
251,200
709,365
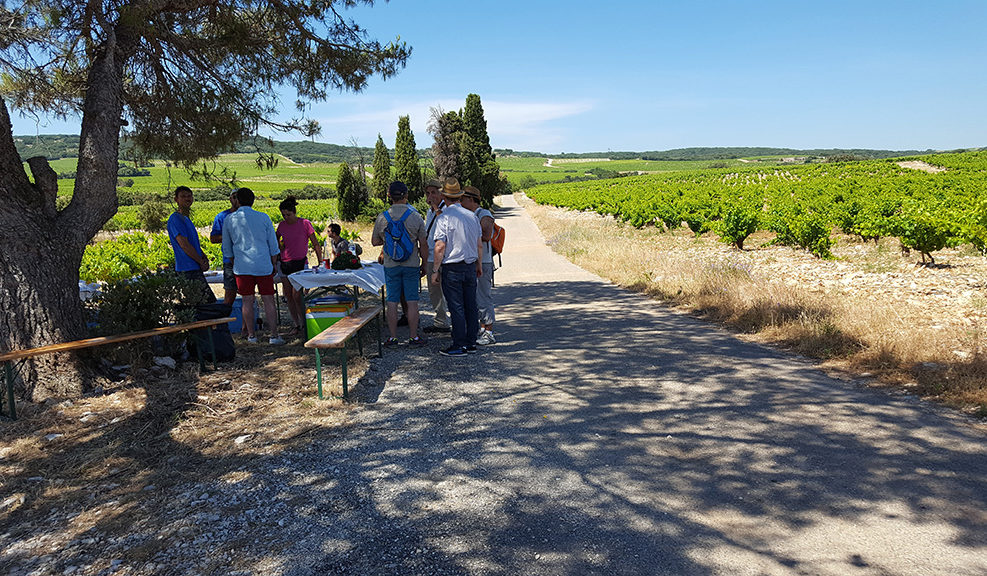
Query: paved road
x,y
605,434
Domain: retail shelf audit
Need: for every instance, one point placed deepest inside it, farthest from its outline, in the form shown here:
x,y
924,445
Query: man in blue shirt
x,y
190,260
249,241
216,237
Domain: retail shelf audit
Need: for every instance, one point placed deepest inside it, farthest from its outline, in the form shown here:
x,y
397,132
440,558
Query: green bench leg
x,y
8,371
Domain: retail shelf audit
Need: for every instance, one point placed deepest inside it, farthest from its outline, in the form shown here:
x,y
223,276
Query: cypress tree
x,y
382,170
406,167
349,192
477,158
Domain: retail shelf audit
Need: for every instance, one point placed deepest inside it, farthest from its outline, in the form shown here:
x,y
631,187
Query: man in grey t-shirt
x,y
484,284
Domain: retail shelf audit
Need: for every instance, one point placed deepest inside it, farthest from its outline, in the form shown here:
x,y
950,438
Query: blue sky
x,y
654,75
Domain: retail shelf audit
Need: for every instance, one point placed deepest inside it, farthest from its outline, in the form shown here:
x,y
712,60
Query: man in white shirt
x,y
457,251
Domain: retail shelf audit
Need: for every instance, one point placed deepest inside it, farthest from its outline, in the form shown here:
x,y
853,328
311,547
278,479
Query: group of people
x,y
451,248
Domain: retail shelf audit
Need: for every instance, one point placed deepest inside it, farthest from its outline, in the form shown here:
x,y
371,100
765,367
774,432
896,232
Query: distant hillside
x,y
67,146
694,154
304,152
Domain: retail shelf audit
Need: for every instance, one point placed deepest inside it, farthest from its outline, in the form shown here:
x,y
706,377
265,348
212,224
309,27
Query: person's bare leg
x,y
294,299
270,314
392,318
413,318
249,324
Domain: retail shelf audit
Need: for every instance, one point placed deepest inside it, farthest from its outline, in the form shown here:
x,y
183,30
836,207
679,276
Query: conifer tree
x,y
349,191
446,129
406,167
382,170
477,157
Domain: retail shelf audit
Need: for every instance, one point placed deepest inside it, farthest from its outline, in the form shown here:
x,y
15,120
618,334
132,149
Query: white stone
x,y
165,361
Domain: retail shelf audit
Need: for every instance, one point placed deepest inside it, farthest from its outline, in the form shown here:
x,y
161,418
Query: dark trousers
x,y
459,289
198,276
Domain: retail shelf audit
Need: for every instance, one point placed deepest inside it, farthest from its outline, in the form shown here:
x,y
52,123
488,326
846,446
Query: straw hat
x,y
451,188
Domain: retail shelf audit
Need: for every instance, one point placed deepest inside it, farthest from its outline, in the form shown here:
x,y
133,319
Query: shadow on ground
x,y
603,434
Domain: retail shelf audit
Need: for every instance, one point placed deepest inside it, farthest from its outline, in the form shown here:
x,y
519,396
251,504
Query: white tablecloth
x,y
370,278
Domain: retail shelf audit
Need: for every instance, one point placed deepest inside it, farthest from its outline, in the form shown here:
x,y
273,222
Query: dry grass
x,y
99,453
872,311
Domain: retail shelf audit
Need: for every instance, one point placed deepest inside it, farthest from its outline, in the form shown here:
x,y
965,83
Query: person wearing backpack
x,y
484,284
400,230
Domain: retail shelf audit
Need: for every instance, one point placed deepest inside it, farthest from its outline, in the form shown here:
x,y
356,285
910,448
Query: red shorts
x,y
245,285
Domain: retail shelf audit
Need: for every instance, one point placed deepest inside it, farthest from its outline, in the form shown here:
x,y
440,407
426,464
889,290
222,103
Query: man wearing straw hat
x,y
457,251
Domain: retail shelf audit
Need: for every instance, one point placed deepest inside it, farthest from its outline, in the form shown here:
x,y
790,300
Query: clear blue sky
x,y
659,74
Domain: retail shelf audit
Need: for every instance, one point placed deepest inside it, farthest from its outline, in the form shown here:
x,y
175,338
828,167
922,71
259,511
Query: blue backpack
x,y
398,244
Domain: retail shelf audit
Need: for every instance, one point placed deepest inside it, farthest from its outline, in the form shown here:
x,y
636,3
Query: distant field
x,y
243,167
516,169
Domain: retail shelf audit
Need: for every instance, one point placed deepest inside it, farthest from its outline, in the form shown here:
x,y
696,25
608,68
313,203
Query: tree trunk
x,y
42,248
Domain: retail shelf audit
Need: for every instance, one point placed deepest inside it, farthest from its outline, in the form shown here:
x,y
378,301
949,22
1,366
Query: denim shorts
x,y
402,279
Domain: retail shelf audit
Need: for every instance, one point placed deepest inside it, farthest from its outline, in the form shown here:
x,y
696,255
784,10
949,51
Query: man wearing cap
x,y
216,237
433,195
457,251
401,278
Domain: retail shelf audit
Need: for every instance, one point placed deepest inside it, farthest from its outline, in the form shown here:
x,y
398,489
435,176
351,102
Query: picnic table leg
x,y
380,333
8,370
212,346
198,354
318,371
346,392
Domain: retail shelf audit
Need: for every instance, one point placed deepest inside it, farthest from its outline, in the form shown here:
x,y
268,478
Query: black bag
x,y
221,337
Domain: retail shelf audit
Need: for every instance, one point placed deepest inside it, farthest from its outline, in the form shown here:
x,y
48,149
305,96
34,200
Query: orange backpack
x,y
497,240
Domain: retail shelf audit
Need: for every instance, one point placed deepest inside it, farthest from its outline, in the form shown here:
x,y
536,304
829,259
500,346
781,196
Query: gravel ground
x,y
602,434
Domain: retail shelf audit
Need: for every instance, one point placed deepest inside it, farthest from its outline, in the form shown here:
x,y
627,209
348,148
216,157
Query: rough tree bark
x,y
41,249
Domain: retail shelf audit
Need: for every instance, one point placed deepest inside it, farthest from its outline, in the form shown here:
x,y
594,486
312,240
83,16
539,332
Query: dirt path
x,y
602,434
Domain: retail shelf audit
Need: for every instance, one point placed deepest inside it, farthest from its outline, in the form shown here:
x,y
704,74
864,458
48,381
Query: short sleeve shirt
x,y
217,227
460,230
180,225
487,256
413,224
295,237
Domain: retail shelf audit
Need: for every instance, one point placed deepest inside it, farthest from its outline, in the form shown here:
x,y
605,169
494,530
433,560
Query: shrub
x,y
144,302
371,210
153,216
740,219
127,170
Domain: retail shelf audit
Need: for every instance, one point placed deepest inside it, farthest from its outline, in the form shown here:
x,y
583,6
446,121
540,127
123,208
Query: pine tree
x,y
406,159
189,79
382,170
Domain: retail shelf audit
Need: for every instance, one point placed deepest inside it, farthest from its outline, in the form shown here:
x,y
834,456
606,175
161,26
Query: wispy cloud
x,y
518,125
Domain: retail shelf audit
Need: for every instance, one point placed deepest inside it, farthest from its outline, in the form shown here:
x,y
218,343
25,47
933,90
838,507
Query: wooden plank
x,y
337,334
90,342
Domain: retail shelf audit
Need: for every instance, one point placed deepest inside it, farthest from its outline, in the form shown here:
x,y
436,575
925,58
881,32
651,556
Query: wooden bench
x,y
337,335
9,358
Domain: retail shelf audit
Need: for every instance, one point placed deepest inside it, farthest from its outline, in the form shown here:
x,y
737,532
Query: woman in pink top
x,y
294,235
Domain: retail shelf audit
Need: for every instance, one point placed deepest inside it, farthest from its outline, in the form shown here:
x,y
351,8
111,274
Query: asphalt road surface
x,y
606,434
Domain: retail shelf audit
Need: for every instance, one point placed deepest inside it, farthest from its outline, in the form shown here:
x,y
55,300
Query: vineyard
x,y
803,204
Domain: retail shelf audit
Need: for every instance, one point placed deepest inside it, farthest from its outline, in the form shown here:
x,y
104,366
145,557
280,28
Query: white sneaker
x,y
486,338
276,341
252,339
